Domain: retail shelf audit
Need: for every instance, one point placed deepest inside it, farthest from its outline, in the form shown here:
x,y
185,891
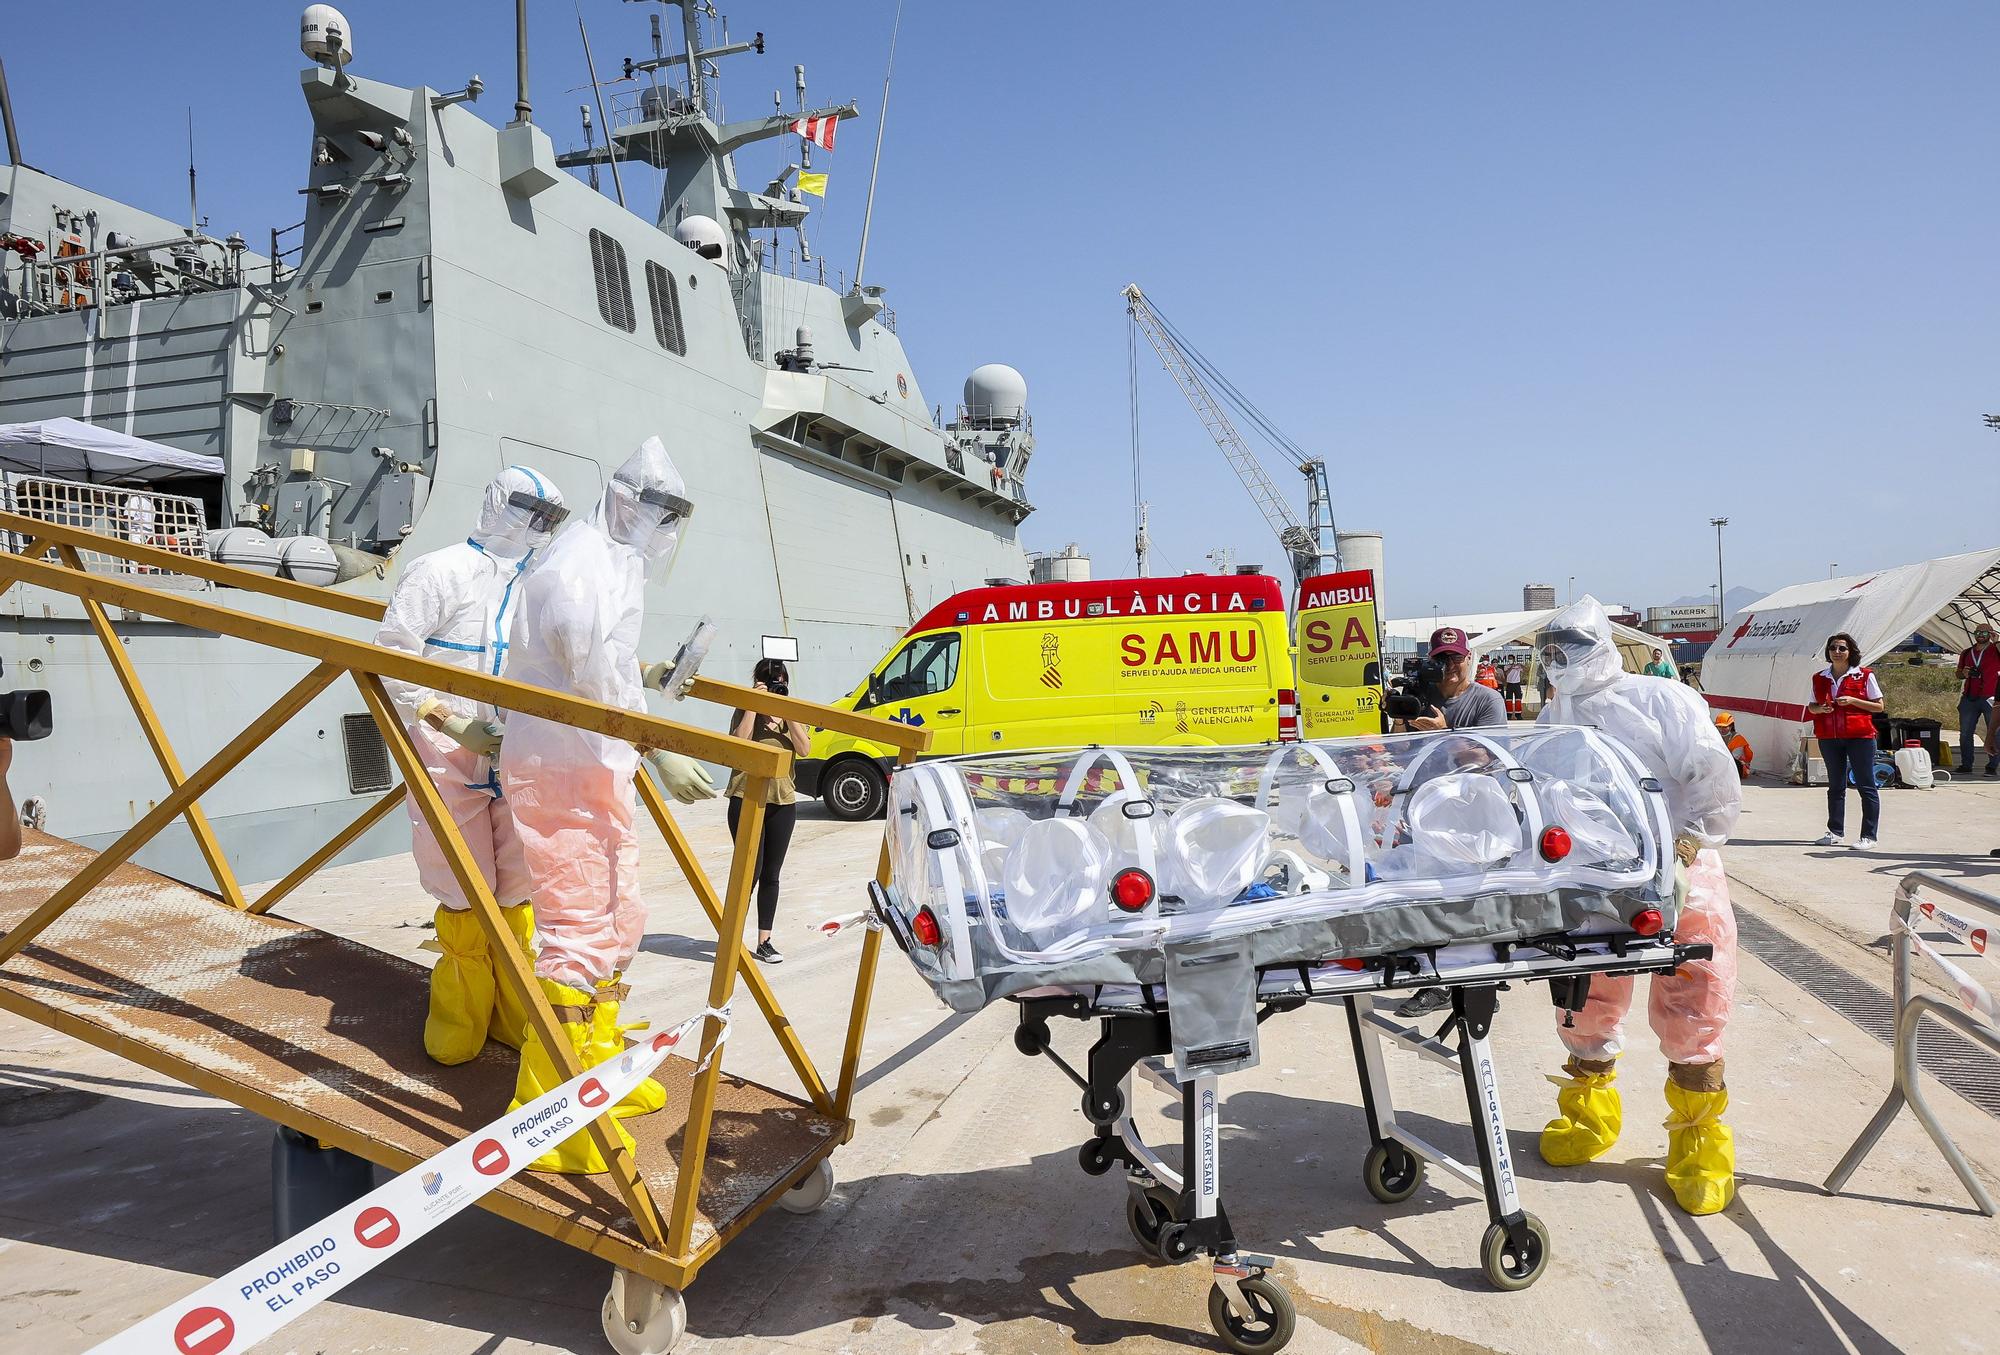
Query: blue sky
x,y
1548,284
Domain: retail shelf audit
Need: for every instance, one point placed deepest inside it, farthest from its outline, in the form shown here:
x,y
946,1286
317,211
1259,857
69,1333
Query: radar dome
x,y
703,235
996,394
316,29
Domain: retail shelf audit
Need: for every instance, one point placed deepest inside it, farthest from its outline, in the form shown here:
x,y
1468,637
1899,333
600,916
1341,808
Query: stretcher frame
x,y
1179,1213
663,1249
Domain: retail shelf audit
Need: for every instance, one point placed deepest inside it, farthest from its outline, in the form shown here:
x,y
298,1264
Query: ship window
x,y
665,295
614,283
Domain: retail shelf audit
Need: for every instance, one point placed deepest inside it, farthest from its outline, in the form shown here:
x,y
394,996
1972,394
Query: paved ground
x,y
963,1224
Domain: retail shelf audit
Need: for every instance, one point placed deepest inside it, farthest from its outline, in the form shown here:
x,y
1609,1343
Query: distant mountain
x,y
1739,598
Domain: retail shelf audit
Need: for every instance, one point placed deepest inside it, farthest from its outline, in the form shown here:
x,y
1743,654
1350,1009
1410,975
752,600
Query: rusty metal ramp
x,y
326,1035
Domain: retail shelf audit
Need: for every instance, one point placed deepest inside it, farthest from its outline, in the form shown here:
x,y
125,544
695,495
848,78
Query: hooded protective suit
x,y
455,605
1668,727
571,791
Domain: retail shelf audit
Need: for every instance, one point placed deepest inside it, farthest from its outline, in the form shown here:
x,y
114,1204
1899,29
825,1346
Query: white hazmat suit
x,y
1668,727
455,605
577,631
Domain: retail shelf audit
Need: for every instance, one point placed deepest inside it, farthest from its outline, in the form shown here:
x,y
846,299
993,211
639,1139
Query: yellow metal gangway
x,y
322,1034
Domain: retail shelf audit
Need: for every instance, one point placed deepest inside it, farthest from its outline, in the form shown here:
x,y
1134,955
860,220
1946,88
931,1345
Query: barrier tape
x,y
840,922
1972,994
237,1310
1962,930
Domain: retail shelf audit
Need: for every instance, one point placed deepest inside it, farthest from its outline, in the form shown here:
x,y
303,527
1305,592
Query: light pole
x,y
1721,593
1830,568
1572,588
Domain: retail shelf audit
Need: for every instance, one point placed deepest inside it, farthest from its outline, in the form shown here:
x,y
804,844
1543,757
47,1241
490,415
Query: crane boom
x,y
1301,542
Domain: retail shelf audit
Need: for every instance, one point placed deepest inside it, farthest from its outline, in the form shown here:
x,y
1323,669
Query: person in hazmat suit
x,y
455,605
1666,725
577,631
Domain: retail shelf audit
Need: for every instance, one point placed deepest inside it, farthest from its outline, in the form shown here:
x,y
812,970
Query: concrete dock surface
x,y
961,1221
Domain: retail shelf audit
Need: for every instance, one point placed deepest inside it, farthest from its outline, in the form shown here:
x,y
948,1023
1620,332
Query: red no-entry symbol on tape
x,y
1978,940
489,1158
376,1227
204,1331
664,1039
592,1094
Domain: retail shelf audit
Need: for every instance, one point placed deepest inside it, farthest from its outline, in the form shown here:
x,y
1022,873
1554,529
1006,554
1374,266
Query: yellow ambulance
x,y
1199,659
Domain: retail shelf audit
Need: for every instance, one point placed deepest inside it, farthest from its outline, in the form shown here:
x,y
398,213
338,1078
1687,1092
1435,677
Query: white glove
x,y
654,675
474,736
684,778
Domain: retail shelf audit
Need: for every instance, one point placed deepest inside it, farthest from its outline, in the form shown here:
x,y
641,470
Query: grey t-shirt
x,y
1476,705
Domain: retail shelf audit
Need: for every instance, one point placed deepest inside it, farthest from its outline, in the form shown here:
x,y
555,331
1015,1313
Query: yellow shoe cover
x,y
1589,1120
461,1004
607,1041
510,1015
578,1153
1701,1150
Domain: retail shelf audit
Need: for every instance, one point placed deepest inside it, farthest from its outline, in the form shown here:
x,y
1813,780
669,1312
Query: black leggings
x,y
776,840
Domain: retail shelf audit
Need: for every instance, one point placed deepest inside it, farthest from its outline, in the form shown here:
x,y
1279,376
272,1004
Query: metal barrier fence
x,y
1907,919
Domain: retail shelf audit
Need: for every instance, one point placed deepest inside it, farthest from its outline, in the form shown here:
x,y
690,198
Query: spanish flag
x,y
814,184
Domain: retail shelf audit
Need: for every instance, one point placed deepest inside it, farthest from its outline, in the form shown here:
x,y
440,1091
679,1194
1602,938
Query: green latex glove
x,y
682,777
475,736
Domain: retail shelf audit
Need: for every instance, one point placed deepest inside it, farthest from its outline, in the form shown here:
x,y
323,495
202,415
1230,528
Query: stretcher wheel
x,y
809,1194
1174,1246
1031,1037
1092,1157
1270,1324
1392,1172
1509,1269
642,1316
1108,1112
1145,1220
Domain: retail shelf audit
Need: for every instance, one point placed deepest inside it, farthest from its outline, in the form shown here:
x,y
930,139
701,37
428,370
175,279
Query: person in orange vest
x,y
1739,747
1487,676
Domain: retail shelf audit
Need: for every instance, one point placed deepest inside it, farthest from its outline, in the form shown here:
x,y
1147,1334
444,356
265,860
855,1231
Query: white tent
x,y
69,449
1761,666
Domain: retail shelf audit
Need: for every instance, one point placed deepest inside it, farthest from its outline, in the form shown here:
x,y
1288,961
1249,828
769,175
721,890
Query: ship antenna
x,y
610,140
194,217
7,116
881,121
523,110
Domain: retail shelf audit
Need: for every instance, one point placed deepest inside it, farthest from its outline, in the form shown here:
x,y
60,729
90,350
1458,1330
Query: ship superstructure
x,y
456,299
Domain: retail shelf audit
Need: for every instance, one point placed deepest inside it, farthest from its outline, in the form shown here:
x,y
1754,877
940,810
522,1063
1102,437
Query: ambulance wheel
x,y
1269,1326
1511,1268
809,1194
1392,1172
1174,1246
1093,1158
641,1316
854,789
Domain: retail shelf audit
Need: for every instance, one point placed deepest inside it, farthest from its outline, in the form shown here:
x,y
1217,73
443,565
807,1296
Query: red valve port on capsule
x,y
1132,889
1647,922
924,926
1555,843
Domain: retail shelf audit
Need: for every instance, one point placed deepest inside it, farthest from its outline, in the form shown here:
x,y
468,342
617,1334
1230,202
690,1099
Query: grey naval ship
x,y
460,297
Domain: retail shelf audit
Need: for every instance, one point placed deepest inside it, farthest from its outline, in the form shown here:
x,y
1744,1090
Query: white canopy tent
x,y
1761,666
69,449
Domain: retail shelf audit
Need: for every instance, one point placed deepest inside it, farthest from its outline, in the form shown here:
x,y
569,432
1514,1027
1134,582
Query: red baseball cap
x,y
1448,640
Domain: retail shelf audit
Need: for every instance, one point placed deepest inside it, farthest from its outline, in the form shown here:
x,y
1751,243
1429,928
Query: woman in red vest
x,y
1845,699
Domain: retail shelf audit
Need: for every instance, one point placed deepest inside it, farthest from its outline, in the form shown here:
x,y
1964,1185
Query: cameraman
x,y
10,817
1462,703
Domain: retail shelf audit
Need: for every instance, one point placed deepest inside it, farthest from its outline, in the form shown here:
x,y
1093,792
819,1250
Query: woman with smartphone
x,y
781,810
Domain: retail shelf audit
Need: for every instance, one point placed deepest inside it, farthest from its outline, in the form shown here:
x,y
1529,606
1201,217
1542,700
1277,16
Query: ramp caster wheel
x,y
1508,1267
809,1194
642,1317
1392,1172
1174,1246
1267,1327
1091,1157
1147,1217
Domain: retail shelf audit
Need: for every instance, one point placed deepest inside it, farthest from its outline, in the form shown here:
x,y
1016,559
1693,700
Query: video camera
x,y
25,715
1414,691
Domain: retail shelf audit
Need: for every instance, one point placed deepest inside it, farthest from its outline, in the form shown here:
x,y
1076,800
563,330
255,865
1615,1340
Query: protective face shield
x,y
1577,648
646,504
1213,850
520,514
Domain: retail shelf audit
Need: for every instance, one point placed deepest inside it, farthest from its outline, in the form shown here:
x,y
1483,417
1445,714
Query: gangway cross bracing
x,y
323,1035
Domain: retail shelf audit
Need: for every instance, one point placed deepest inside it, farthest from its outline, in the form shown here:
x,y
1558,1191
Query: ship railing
x,y
284,257
668,1251
173,523
99,278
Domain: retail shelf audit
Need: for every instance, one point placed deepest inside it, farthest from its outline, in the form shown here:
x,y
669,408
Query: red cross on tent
x,y
819,131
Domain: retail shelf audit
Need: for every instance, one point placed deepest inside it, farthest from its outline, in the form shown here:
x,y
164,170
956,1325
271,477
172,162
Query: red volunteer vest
x,y
1842,722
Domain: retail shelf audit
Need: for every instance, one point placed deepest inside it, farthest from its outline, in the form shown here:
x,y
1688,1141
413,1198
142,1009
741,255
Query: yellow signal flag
x,y
814,184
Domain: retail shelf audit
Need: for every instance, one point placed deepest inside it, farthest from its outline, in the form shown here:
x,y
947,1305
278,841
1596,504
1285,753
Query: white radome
x,y
996,391
315,27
